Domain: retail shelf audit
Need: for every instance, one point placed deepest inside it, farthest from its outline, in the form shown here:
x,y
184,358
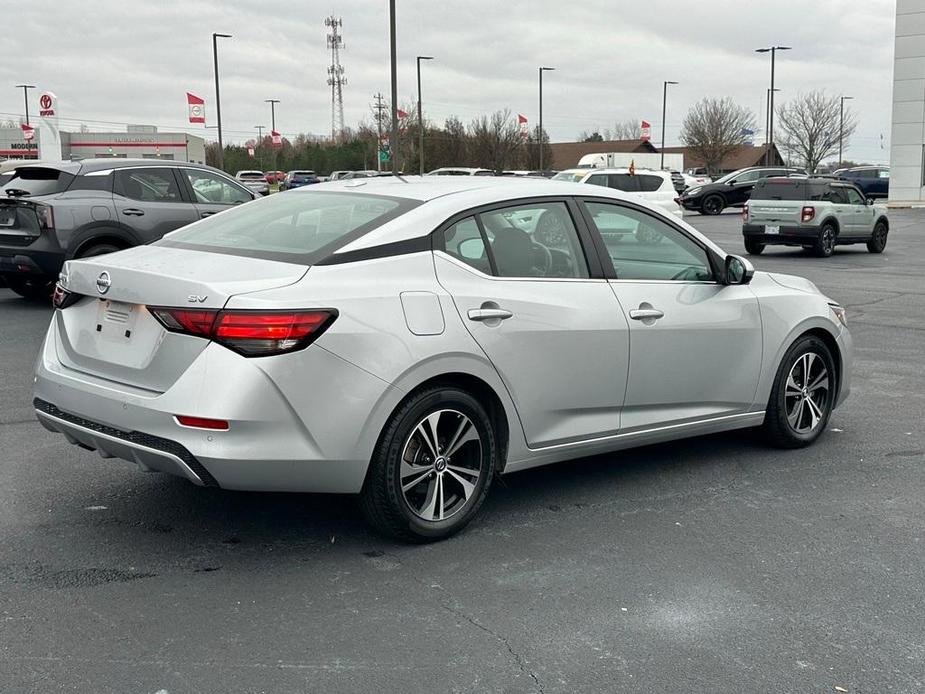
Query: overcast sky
x,y
113,62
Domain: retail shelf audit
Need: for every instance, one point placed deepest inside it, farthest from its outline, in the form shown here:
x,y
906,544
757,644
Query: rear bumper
x,y
28,262
789,233
296,422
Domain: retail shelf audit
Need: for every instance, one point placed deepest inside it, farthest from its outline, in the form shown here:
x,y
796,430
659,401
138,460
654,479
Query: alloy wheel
x,y
441,464
828,240
807,394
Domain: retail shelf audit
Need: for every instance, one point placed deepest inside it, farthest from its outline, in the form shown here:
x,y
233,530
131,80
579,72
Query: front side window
x,y
854,197
747,177
837,195
534,240
643,247
148,185
299,229
209,187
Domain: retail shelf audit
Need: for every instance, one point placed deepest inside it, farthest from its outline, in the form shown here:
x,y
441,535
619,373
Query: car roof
x,y
105,163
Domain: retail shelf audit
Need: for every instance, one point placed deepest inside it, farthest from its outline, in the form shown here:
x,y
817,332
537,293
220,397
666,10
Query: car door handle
x,y
133,212
481,314
208,214
645,314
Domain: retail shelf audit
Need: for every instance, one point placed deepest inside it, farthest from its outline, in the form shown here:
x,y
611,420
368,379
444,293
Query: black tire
x,y
98,249
712,204
33,289
790,387
388,507
824,246
878,239
753,247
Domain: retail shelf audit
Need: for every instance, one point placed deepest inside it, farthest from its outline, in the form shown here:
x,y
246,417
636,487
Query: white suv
x,y
655,187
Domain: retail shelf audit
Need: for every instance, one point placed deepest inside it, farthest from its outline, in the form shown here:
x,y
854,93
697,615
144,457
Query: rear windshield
x,y
573,176
788,189
302,228
251,176
36,180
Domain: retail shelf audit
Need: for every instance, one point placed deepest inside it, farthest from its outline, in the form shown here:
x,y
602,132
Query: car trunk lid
x,y
774,211
110,332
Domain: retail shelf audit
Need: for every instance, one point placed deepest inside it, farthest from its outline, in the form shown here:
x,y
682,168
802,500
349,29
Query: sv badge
x,y
196,299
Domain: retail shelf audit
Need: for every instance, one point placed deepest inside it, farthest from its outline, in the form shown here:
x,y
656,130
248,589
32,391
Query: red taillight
x,y
46,215
202,423
250,333
807,214
745,212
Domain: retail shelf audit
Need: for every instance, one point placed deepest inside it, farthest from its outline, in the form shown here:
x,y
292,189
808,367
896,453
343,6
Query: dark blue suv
x,y
874,181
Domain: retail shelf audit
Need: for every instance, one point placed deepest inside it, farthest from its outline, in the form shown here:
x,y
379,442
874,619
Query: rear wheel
x,y
40,288
878,239
825,243
432,467
753,247
803,394
712,204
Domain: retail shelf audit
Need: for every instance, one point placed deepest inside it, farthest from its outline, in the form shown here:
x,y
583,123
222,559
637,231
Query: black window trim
x,y
585,238
181,187
716,263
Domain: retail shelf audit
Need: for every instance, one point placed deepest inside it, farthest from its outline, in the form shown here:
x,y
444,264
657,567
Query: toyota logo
x,y
45,101
103,283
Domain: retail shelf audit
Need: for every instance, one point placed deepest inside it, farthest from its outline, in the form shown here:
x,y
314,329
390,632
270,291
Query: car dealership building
x,y
907,144
138,142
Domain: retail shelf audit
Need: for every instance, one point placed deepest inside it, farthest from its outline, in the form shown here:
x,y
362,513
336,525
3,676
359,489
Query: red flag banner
x,y
276,138
197,108
28,132
645,131
521,119
400,113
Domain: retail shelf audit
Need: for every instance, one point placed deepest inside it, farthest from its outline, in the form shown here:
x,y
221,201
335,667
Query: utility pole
x,y
218,101
841,126
420,116
540,137
336,77
664,101
773,51
257,148
25,97
273,103
379,109
393,137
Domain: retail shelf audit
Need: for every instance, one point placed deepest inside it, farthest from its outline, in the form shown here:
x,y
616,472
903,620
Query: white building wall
x,y
907,144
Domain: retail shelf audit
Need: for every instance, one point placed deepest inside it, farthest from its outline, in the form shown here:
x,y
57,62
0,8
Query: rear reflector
x,y
250,333
202,423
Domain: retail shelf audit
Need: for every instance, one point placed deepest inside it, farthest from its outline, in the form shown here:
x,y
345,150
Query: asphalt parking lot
x,y
711,565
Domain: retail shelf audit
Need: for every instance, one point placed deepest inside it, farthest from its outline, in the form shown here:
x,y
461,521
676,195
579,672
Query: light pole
x,y
259,142
420,117
218,101
841,125
767,113
664,101
272,103
773,51
540,136
25,97
393,135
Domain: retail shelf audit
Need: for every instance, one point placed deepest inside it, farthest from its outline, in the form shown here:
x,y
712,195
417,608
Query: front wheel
x,y
878,239
432,467
712,204
753,247
802,396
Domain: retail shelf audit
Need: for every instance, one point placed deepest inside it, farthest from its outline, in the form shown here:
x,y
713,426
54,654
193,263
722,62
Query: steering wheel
x,y
547,258
551,229
686,274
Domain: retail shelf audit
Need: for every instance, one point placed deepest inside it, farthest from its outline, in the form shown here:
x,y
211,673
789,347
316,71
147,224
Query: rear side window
x,y
300,229
148,185
781,189
464,242
649,184
102,182
37,180
625,182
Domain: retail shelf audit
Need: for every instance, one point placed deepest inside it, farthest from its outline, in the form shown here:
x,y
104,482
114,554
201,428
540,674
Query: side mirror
x,y
738,270
868,201
471,249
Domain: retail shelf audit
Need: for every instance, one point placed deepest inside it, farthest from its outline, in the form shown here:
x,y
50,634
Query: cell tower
x,y
336,76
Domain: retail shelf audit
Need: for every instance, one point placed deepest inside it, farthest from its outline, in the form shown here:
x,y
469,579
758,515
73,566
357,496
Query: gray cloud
x,y
123,62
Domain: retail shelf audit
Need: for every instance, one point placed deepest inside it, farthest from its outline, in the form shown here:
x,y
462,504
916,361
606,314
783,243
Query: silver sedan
x,y
408,339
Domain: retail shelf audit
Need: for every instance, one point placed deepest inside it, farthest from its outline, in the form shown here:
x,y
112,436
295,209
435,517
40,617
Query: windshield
x,y
728,176
574,176
36,180
290,228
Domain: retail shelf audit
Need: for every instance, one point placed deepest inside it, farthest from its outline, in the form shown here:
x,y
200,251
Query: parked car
x,y
816,213
656,187
731,190
56,211
274,176
297,179
406,341
369,173
691,180
255,181
460,171
335,175
874,181
677,180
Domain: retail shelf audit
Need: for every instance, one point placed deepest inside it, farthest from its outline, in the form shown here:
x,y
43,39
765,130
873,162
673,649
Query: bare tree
x,y
714,128
810,127
495,140
630,129
586,136
532,149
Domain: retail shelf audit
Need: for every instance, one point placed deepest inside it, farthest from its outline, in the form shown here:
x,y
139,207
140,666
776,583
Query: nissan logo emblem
x,y
103,283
